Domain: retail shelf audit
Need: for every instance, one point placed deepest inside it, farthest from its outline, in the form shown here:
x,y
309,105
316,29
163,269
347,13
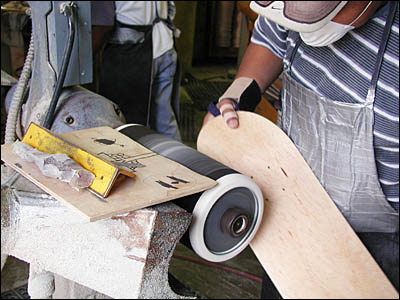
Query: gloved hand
x,y
227,108
244,90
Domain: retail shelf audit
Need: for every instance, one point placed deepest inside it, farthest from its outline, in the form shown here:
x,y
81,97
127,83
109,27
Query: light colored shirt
x,y
143,13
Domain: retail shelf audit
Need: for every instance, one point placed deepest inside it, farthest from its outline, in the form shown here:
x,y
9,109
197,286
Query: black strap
x,y
167,20
382,47
157,19
294,51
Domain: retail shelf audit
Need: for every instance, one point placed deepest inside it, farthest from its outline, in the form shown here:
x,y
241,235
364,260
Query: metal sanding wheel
x,y
225,217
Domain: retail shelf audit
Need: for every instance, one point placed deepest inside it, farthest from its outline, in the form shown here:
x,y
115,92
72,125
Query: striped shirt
x,y
342,71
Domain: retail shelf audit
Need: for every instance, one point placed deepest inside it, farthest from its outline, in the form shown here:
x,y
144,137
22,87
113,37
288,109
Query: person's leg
x,y
384,248
268,289
162,117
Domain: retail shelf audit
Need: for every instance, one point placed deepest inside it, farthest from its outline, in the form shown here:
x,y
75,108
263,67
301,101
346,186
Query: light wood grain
x,y
157,180
304,243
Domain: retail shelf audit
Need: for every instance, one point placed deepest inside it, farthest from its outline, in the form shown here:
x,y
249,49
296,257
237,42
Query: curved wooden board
x,y
304,242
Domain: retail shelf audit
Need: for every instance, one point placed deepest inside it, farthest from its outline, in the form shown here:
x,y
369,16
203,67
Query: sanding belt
x,y
244,93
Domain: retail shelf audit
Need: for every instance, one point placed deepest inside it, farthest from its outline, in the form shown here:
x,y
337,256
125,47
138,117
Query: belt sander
x,y
226,211
225,217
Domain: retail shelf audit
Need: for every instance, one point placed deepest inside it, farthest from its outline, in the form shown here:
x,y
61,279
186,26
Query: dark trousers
x,y
384,248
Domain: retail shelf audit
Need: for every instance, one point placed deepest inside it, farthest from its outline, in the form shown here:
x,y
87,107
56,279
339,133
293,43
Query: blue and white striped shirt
x,y
342,71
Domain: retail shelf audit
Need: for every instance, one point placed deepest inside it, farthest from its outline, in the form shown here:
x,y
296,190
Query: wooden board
x,y
304,243
157,180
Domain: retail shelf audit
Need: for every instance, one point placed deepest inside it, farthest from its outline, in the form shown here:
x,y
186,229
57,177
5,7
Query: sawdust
x,y
137,240
59,241
110,256
9,223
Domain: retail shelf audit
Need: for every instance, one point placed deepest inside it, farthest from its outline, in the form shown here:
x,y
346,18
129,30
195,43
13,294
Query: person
x,y
339,105
102,27
139,64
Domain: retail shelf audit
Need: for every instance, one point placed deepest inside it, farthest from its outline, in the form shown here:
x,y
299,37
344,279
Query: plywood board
x,y
157,180
304,243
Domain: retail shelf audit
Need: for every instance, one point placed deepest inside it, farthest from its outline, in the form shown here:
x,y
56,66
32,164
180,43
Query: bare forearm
x,y
260,64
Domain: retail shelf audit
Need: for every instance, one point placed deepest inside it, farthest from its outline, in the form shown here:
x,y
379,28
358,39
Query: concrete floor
x,y
238,278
